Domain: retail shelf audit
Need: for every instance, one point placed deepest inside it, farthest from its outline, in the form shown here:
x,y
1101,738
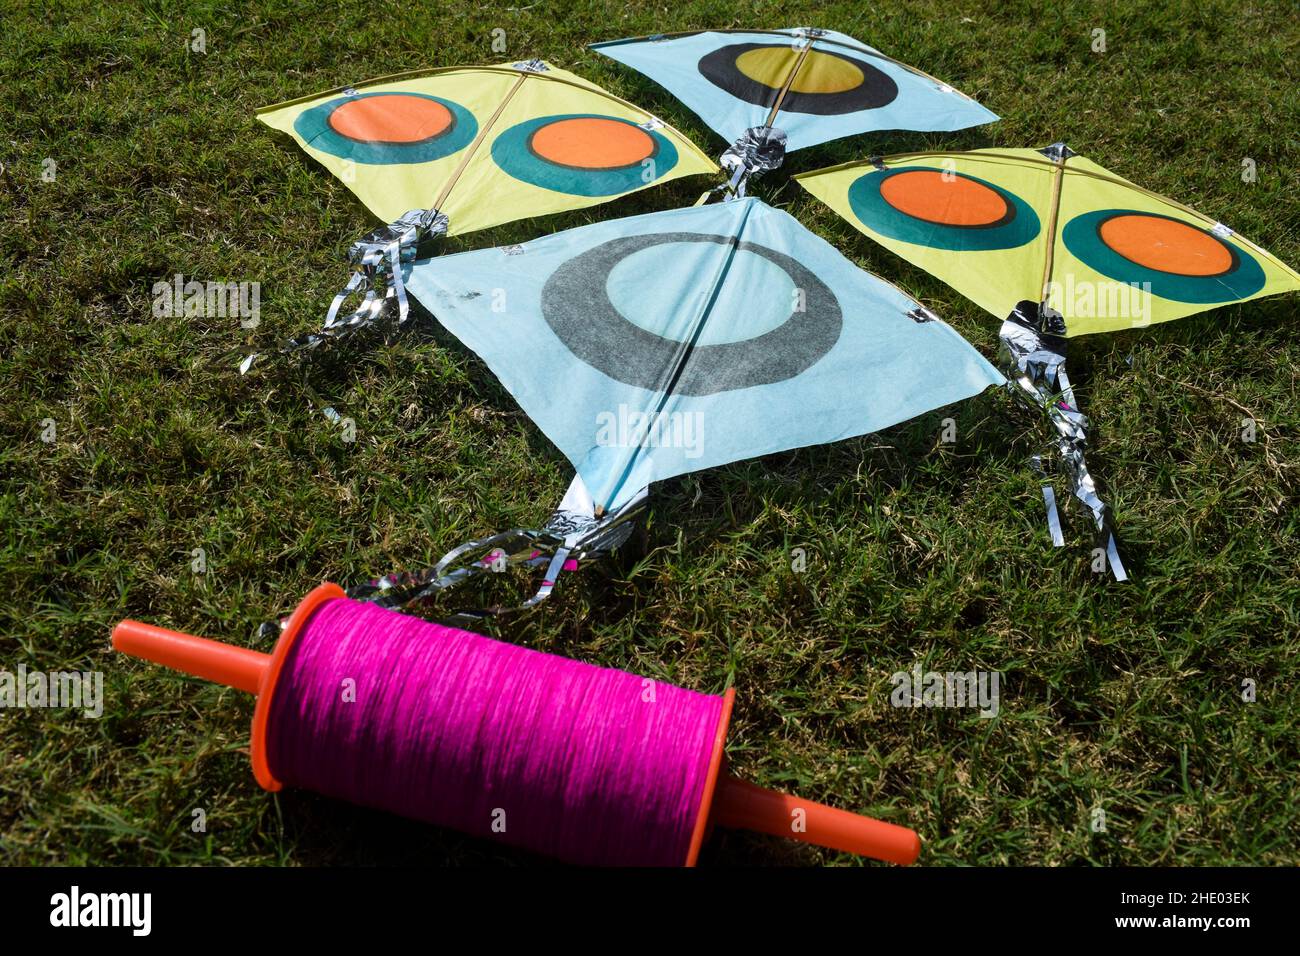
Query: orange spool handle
x,y
236,667
744,806
733,804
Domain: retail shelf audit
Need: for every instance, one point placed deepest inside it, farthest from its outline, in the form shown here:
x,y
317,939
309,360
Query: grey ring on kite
x,y
576,305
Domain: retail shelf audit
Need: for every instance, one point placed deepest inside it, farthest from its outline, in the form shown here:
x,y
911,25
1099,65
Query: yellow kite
x,y
450,151
1005,225
485,145
1057,246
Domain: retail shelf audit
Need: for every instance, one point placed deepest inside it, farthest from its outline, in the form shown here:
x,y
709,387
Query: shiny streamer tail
x,y
377,260
571,536
1033,358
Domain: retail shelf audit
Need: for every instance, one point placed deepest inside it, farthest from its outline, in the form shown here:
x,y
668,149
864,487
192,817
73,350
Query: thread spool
x,y
583,763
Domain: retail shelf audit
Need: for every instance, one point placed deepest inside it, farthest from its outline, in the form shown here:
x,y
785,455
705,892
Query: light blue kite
x,y
658,345
663,344
814,85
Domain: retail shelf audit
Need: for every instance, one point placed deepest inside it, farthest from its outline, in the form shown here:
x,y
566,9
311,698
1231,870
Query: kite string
x,y
587,764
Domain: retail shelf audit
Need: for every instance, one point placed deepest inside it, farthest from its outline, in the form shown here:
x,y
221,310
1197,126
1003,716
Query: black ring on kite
x,y
576,305
877,88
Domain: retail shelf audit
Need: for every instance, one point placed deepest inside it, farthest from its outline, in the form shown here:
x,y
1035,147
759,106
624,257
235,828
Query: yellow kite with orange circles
x,y
1003,226
486,145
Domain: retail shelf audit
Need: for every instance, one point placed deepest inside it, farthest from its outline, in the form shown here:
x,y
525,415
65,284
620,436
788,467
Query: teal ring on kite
x,y
1082,236
314,127
513,152
1018,226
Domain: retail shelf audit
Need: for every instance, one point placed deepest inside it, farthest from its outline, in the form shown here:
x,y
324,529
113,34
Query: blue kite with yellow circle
x,y
815,85
658,345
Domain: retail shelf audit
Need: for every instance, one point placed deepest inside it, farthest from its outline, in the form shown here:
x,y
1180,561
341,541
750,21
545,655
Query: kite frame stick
x,y
1050,257
397,78
435,71
864,49
977,154
478,140
789,81
688,346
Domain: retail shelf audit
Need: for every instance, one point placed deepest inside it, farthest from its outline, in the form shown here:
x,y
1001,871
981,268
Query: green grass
x,y
1121,697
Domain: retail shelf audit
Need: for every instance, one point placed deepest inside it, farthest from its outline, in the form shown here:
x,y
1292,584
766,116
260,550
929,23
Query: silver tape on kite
x,y
1033,358
377,260
760,150
573,534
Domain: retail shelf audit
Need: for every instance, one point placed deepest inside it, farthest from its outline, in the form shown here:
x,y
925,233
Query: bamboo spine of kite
x,y
789,81
478,140
1049,261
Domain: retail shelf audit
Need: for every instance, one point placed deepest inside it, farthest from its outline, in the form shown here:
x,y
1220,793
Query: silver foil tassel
x,y
576,532
1032,354
760,150
377,259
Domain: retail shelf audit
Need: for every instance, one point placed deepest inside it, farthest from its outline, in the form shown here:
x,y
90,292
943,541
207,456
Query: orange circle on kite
x,y
943,198
1166,245
819,73
592,142
394,118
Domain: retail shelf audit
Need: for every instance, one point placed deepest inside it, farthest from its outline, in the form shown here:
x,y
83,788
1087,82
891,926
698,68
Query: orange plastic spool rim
x,y
711,780
312,603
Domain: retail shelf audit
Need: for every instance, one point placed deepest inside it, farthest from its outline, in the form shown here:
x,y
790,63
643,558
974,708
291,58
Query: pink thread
x,y
581,763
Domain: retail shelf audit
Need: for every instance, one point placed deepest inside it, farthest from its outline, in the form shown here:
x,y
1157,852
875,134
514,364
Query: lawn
x,y
1124,698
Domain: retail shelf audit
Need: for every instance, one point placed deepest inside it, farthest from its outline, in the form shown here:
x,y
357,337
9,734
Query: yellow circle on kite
x,y
820,73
